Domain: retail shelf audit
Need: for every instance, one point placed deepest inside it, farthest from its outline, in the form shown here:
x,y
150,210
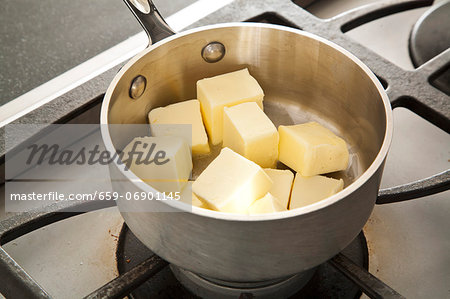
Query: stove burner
x,y
430,36
213,288
326,282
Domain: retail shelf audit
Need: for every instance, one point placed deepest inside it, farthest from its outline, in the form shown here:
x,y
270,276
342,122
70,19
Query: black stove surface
x,y
327,282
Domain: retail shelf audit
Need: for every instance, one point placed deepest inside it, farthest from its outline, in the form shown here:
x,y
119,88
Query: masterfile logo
x,y
53,154
45,164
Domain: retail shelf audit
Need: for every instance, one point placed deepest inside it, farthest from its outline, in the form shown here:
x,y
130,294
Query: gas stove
x,y
404,249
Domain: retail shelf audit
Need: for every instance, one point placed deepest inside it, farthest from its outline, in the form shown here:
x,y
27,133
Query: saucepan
x,y
304,77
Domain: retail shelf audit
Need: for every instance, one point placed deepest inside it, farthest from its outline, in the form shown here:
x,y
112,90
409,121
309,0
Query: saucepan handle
x,y
428,186
150,19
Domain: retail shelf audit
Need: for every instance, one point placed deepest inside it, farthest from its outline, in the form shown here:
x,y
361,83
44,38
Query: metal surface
x,y
17,280
421,188
430,36
60,99
151,20
137,87
304,78
372,286
324,283
124,284
130,253
205,225
58,35
55,37
213,52
51,90
205,288
327,282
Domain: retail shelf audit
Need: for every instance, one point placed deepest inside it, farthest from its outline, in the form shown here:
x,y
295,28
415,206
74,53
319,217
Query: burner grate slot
x,y
273,18
383,82
441,80
372,12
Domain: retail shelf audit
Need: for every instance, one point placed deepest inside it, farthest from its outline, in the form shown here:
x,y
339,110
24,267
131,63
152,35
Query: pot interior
x,y
304,78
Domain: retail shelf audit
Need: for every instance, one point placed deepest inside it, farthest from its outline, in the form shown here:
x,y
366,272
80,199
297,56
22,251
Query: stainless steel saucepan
x,y
304,77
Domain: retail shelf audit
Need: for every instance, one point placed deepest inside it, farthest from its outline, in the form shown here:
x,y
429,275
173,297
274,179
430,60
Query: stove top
x,y
324,282
390,231
429,38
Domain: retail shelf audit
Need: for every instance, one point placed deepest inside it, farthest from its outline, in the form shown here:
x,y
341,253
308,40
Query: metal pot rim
x,y
376,164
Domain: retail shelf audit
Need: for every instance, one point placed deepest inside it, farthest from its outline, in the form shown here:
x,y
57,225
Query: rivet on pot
x,y
213,52
137,87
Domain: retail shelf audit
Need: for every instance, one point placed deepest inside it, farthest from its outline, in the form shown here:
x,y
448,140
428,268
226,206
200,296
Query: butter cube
x,y
187,112
248,131
312,149
231,183
267,204
187,196
197,202
225,91
308,190
164,162
282,184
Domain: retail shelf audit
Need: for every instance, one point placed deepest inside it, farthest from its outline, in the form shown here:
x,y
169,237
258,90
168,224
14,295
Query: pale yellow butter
x,y
197,202
308,190
187,196
248,131
171,176
187,112
282,184
231,183
225,91
312,149
266,204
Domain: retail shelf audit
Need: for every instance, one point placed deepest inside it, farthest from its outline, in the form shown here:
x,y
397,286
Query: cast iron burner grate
x,y
408,89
